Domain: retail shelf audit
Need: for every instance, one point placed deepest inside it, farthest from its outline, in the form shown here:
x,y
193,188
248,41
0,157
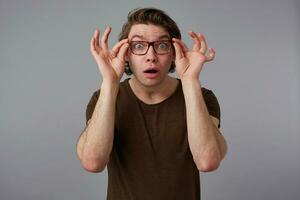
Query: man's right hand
x,y
111,63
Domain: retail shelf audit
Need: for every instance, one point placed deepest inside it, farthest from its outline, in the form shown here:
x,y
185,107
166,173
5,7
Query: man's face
x,y
151,68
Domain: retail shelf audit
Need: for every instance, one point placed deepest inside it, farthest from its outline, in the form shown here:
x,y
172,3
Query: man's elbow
x,y
208,163
208,166
93,167
90,164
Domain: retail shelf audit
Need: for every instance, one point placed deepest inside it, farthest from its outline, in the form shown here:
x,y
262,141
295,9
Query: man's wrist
x,y
189,81
112,86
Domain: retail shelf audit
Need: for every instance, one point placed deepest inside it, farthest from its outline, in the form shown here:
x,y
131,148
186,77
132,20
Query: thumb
x,y
178,51
123,49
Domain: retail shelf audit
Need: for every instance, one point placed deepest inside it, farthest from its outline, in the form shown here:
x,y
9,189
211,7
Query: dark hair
x,y
152,16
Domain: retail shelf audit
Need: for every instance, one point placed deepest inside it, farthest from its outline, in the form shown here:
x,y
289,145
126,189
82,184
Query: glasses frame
x,y
151,44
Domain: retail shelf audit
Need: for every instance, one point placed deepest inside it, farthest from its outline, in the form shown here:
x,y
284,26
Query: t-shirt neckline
x,y
155,104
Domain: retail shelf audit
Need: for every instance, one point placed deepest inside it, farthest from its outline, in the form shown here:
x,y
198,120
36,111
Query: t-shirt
x,y
151,158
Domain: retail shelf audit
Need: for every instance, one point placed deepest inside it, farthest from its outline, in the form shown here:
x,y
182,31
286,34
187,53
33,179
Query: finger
x,y
104,38
178,50
203,43
197,43
93,43
92,46
117,47
211,54
183,45
96,36
122,51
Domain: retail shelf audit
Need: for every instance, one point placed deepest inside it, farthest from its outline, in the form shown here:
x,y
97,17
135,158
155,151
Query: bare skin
x,y
95,142
150,90
207,145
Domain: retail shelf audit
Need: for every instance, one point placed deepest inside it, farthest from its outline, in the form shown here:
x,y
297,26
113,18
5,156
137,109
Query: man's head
x,y
156,19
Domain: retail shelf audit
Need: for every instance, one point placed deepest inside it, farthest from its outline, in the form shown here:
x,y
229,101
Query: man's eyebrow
x,y
164,36
139,36
142,37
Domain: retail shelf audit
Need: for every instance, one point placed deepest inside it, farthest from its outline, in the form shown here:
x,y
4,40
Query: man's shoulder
x,y
96,93
124,82
205,89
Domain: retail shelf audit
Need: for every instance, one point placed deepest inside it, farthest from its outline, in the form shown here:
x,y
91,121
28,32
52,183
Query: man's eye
x,y
138,45
162,45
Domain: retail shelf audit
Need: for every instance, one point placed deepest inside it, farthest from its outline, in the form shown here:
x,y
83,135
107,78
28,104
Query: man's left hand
x,y
189,63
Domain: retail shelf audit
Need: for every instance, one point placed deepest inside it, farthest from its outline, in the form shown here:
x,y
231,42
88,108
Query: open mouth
x,y
151,71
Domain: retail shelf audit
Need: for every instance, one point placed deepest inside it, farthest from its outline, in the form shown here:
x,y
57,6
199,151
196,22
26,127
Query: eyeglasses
x,y
142,47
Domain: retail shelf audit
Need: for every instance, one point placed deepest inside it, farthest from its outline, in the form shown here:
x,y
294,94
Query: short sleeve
x,y
91,105
212,104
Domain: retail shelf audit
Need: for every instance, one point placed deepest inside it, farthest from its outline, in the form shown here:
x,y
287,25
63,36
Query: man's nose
x,y
151,55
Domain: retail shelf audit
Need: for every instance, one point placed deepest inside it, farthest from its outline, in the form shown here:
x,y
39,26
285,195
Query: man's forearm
x,y
95,143
204,142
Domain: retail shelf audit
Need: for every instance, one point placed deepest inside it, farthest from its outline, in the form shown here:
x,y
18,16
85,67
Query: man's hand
x,y
111,63
189,62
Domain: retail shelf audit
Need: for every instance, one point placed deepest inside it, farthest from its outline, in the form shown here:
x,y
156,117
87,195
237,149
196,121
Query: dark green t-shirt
x,y
151,158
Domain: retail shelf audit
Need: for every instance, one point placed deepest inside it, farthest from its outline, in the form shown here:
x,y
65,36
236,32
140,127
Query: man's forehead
x,y
144,31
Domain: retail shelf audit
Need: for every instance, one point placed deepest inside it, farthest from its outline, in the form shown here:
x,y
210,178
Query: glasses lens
x,y
162,47
139,47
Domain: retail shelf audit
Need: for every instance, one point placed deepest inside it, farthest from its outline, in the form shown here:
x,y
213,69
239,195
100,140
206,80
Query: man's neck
x,y
155,94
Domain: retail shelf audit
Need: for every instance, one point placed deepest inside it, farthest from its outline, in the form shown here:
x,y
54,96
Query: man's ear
x,y
173,54
126,56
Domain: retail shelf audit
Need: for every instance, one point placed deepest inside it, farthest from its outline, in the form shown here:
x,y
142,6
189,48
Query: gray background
x,y
48,75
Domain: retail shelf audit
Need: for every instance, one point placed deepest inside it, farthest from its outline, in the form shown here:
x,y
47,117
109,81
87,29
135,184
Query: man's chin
x,y
150,82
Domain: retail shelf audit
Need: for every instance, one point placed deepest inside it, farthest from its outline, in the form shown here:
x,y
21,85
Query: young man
x,y
154,132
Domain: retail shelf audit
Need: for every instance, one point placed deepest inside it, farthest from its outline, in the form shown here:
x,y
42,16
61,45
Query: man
x,y
154,132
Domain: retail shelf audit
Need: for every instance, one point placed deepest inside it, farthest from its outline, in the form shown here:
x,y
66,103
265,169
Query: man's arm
x,y
207,144
95,143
